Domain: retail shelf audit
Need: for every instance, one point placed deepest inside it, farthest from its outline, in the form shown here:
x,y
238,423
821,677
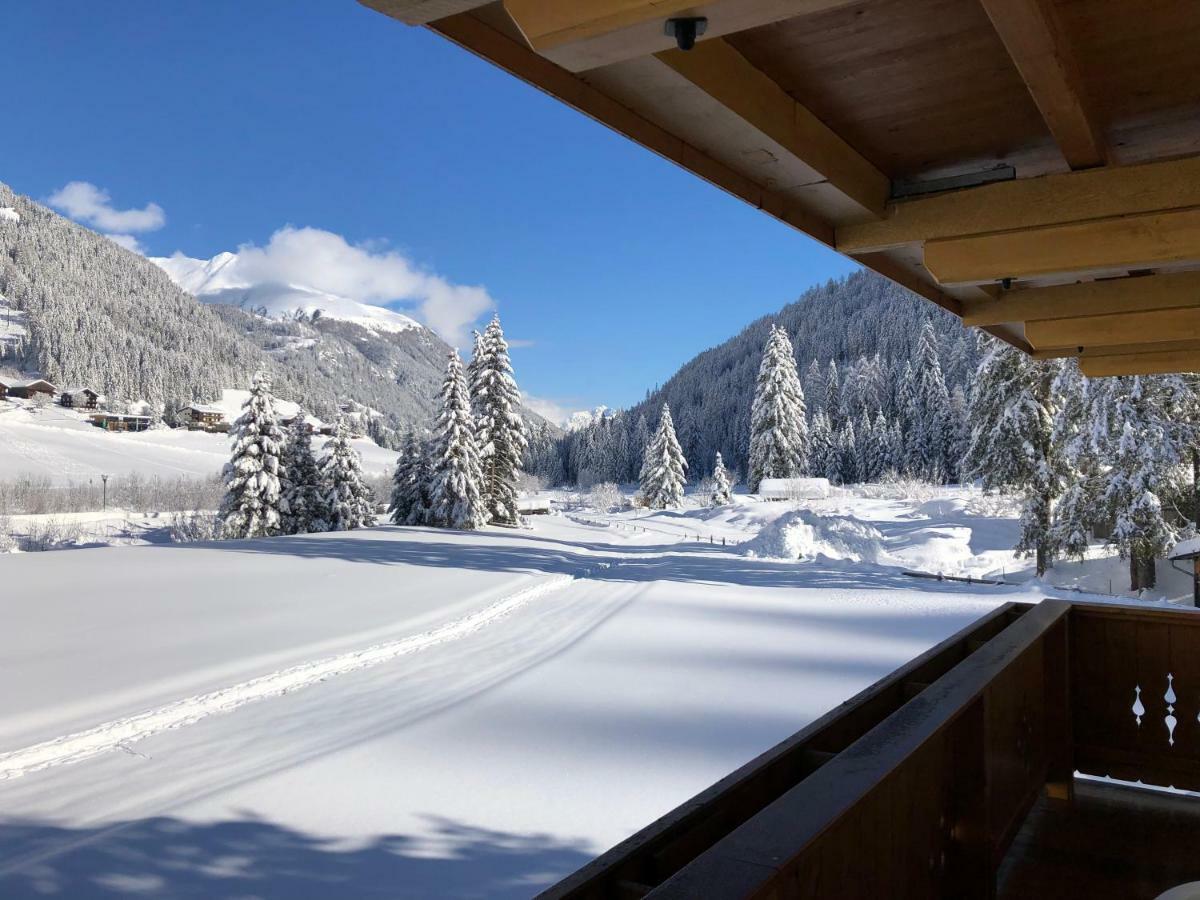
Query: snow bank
x,y
943,508
803,534
794,488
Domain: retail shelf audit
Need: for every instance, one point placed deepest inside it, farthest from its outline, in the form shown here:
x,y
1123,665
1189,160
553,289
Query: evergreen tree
x,y
814,385
347,501
253,501
865,446
1075,438
778,429
1010,447
639,441
302,484
456,499
663,468
832,404
404,485
823,457
722,494
1145,457
847,454
930,434
499,429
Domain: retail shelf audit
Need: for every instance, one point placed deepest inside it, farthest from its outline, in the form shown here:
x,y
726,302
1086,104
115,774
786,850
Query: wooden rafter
x,y
587,34
720,71
1044,57
1029,203
479,37
1127,242
1093,298
1154,363
1148,327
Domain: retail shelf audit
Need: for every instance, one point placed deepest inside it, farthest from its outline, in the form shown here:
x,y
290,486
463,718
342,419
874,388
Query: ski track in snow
x,y
119,733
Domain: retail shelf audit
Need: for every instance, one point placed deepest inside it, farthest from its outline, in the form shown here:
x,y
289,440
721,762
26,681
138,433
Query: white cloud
x,y
551,410
128,241
84,202
327,262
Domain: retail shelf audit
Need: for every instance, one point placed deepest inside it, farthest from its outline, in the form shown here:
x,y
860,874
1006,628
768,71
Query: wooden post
x,y
1056,656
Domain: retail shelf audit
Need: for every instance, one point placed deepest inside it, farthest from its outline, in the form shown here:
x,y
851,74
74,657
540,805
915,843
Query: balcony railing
x,y
917,786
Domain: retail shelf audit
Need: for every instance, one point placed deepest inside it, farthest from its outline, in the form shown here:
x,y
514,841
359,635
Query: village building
x,y
110,421
12,388
202,417
76,397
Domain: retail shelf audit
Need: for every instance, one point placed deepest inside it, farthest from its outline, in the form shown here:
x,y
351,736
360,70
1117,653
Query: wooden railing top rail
x,y
649,857
749,859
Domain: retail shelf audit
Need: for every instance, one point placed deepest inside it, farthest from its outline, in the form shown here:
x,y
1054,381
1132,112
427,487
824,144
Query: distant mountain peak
x,y
221,280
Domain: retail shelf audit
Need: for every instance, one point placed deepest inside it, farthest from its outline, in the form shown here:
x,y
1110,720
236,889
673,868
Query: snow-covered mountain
x,y
223,280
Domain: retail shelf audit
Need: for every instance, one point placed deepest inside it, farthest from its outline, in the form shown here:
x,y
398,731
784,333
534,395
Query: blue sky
x,y
609,265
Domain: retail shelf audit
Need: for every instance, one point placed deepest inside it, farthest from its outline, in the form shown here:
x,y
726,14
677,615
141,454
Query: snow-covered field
x,y
62,445
419,713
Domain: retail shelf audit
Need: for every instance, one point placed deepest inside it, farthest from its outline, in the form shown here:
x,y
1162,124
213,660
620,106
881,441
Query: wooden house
x,y
120,421
79,397
202,417
26,390
1032,167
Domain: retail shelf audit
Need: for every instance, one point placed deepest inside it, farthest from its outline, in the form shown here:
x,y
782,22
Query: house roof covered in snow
x,y
1052,203
1189,549
206,409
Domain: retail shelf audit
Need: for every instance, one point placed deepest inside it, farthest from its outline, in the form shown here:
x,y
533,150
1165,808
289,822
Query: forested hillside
x,y
853,339
78,309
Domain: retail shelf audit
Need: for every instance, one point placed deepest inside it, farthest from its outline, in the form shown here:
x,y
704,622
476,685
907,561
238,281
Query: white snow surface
x,y
408,712
219,280
60,444
8,214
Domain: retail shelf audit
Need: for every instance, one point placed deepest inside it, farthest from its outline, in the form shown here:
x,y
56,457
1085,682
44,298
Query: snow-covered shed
x,y
793,488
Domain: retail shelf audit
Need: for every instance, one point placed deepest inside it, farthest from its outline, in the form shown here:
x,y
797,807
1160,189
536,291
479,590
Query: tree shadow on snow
x,y
170,858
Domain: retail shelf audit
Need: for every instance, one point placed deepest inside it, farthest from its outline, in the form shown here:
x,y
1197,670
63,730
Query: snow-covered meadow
x,y
420,713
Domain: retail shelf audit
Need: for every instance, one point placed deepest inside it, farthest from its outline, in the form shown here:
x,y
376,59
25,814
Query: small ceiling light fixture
x,y
685,30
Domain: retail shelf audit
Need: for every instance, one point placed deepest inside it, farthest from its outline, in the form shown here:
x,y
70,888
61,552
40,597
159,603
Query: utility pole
x,y
104,492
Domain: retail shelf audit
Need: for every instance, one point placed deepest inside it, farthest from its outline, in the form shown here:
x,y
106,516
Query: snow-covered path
x,y
586,679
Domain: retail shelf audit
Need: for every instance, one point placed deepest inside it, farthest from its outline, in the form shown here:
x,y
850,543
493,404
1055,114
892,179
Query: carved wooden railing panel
x,y
1136,694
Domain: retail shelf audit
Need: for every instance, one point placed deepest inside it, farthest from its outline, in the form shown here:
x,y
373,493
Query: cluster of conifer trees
x,y
274,483
464,474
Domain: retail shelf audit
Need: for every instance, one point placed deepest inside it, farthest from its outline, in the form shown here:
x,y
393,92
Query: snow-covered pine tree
x,y
253,501
832,404
1145,459
662,478
722,493
814,386
778,428
847,454
473,367
347,502
499,428
865,446
456,499
908,418
930,435
1073,435
822,449
302,485
880,455
404,488
1012,413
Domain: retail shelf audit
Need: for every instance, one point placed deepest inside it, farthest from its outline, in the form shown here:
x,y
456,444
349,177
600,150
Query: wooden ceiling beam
x,y
1161,362
1154,326
721,72
1029,203
1043,55
481,38
1167,290
586,34
1126,242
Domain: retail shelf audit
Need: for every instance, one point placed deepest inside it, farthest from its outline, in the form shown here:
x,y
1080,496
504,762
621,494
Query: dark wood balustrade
x,y
918,786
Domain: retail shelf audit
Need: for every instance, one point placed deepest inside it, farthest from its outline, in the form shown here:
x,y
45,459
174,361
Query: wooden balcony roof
x,y
1033,166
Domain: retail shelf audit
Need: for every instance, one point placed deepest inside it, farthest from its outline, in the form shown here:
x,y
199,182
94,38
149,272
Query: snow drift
x,y
803,534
